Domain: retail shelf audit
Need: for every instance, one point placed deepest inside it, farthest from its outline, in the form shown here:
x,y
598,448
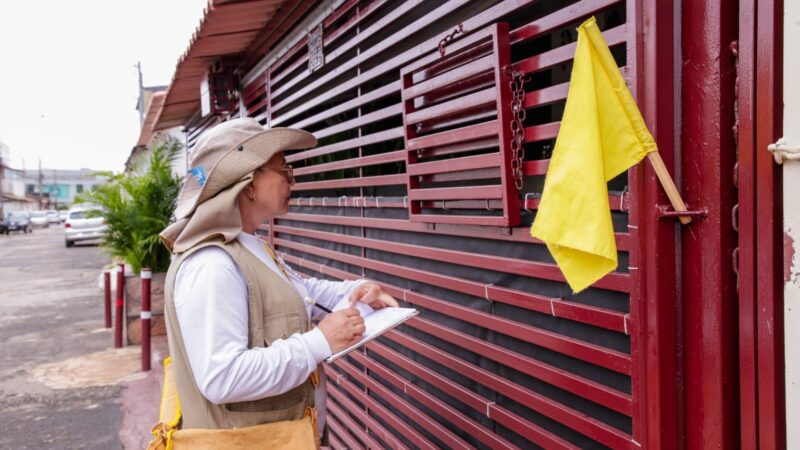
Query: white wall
x,y
791,222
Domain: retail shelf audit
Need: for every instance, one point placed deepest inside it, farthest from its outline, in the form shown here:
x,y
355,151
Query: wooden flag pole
x,y
668,185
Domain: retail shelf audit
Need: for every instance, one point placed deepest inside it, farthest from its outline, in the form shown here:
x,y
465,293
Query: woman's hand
x,y
372,294
342,328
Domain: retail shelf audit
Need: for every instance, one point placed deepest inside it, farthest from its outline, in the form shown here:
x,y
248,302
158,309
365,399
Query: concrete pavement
x,y
62,385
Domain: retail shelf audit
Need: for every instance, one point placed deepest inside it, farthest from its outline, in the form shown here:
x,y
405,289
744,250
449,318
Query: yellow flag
x,y
602,134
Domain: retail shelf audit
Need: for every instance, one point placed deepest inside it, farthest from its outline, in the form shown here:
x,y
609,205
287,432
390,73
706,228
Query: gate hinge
x,y
666,212
782,151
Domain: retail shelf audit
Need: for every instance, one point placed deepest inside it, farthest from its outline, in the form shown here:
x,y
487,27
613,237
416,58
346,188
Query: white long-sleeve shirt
x,y
210,298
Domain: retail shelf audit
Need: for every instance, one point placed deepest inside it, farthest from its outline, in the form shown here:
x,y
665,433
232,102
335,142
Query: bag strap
x,y
169,415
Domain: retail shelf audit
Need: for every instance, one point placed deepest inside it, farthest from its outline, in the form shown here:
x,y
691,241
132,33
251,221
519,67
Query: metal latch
x,y
782,151
665,212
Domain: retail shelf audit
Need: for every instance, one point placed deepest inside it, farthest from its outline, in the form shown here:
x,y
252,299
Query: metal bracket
x,y
782,151
666,212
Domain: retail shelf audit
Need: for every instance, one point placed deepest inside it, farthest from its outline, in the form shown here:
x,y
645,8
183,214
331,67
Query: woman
x,y
238,319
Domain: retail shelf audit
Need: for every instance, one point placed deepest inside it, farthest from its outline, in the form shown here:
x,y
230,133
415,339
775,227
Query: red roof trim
x,y
228,27
153,108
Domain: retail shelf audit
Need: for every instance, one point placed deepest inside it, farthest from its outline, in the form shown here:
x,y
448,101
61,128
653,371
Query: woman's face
x,y
272,185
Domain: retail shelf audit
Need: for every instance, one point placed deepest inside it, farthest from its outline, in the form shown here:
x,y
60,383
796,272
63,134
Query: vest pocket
x,y
281,326
287,406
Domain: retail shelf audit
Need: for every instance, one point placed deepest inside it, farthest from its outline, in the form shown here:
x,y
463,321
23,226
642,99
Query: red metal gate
x,y
503,355
760,218
412,185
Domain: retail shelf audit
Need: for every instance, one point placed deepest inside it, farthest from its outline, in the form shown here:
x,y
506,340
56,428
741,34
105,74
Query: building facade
x,y
414,184
56,188
12,186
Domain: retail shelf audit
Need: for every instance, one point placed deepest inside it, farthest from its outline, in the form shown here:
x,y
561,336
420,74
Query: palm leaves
x,y
137,206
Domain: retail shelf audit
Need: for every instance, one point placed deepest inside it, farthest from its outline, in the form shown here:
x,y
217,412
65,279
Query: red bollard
x,y
107,288
120,306
145,315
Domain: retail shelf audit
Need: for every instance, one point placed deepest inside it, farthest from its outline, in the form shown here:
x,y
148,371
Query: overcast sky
x,y
68,85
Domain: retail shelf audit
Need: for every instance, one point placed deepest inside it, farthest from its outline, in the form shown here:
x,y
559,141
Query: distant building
x,y
59,187
151,98
12,187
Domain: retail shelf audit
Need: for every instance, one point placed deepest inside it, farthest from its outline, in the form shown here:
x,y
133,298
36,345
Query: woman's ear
x,y
249,191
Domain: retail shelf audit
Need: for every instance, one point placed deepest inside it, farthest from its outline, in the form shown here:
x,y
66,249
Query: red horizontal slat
x,y
372,425
463,134
457,193
545,96
382,68
363,161
541,132
478,403
464,47
369,139
563,379
389,111
614,281
462,72
332,56
480,99
574,419
404,407
494,221
340,431
566,52
350,426
338,385
595,354
382,180
564,16
603,318
361,100
455,164
560,378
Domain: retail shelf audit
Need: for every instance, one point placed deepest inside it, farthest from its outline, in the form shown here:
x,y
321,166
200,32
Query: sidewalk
x,y
140,399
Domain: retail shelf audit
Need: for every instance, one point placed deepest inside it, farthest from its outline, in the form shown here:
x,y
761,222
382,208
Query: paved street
x,y
56,391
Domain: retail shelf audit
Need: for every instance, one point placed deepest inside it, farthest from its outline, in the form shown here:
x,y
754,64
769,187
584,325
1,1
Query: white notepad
x,y
377,322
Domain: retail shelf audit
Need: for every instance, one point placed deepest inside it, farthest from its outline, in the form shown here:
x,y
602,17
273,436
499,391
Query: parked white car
x,y
80,227
39,219
52,216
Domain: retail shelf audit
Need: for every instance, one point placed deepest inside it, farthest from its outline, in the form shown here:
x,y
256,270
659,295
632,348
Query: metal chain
x,y
517,125
448,38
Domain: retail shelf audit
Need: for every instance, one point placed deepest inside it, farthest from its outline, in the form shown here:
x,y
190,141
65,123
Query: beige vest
x,y
275,312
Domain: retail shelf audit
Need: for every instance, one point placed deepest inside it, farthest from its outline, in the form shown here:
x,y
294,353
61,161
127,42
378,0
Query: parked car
x,y
18,221
39,219
52,216
63,216
81,227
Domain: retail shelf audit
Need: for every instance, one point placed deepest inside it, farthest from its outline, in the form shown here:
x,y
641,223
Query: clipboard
x,y
377,322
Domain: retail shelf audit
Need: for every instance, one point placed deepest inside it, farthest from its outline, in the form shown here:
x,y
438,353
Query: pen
x,y
310,301
323,308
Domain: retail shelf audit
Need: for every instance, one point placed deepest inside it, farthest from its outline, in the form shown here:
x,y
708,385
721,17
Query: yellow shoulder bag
x,y
288,434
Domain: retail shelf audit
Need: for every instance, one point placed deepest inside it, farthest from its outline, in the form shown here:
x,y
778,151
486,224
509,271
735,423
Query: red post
x,y
120,305
145,315
107,303
708,282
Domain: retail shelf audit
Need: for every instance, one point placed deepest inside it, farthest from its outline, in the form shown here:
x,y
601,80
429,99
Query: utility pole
x,y
141,93
58,189
41,191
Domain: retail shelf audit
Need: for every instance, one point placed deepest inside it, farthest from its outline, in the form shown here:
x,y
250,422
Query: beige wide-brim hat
x,y
221,166
229,151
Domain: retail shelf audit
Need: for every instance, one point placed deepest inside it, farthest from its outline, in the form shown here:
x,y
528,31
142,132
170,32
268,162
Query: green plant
x,y
137,206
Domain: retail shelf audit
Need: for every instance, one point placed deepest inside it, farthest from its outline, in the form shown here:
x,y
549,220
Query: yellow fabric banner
x,y
602,134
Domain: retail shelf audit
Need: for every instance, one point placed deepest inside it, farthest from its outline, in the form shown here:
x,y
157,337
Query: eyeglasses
x,y
286,171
